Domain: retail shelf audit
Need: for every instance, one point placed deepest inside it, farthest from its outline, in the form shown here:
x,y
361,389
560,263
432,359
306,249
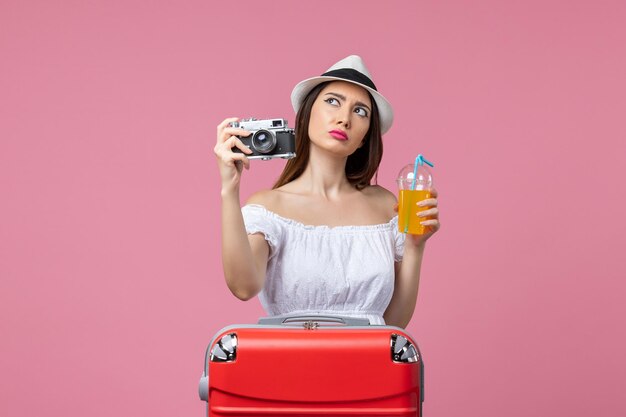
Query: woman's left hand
x,y
431,220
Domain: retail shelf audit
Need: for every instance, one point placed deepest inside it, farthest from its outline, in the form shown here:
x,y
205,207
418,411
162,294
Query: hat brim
x,y
385,111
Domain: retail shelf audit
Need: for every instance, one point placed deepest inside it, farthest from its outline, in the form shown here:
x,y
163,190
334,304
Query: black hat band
x,y
352,75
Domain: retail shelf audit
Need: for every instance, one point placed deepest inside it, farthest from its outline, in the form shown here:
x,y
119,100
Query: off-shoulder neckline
x,y
380,226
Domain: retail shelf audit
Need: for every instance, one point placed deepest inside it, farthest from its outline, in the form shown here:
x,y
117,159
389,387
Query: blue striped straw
x,y
420,160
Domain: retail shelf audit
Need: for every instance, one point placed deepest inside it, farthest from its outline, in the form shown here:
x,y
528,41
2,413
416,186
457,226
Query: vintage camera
x,y
270,138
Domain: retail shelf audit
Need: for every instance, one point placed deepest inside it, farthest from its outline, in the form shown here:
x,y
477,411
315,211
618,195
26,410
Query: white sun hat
x,y
351,69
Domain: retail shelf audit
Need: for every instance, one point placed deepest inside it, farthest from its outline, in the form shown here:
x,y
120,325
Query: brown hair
x,y
361,166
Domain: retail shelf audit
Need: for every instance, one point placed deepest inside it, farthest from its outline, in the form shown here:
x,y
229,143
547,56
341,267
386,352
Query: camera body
x,y
270,138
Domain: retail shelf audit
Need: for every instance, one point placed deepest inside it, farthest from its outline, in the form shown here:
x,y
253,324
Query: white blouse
x,y
342,270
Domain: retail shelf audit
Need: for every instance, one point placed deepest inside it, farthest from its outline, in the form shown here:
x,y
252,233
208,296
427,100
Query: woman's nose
x,y
344,118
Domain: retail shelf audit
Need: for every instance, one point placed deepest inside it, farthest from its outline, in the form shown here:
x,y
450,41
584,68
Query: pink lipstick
x,y
338,134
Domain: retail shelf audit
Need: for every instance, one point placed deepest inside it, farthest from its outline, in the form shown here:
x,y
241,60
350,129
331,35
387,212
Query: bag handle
x,y
313,318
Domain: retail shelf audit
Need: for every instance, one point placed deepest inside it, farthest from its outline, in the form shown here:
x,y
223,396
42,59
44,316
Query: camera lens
x,y
263,141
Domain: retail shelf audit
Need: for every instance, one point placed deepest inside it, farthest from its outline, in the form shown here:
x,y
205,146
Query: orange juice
x,y
408,221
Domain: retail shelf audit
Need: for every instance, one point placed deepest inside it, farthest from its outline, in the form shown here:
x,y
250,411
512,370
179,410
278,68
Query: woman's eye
x,y
330,100
361,111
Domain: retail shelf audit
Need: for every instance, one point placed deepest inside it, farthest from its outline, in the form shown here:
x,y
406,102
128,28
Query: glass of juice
x,y
415,182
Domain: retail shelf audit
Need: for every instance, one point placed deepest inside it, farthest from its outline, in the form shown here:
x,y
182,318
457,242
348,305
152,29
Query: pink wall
x,y
110,274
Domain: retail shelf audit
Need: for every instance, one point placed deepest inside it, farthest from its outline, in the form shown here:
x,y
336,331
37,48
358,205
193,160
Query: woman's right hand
x,y
231,163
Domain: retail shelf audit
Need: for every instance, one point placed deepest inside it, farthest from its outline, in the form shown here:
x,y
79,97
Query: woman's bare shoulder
x,y
382,198
380,193
266,198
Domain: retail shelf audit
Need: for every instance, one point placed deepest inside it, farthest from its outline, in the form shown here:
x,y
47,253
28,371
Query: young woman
x,y
323,239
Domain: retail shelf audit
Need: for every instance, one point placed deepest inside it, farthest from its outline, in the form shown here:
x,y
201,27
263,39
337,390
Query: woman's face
x,y
340,117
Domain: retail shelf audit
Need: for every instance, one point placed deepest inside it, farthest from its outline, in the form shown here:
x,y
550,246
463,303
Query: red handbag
x,y
312,366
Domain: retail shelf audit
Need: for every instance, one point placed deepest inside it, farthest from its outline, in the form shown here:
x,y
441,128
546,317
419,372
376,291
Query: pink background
x,y
111,282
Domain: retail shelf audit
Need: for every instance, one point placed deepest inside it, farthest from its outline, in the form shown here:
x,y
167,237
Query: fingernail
x,y
421,203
